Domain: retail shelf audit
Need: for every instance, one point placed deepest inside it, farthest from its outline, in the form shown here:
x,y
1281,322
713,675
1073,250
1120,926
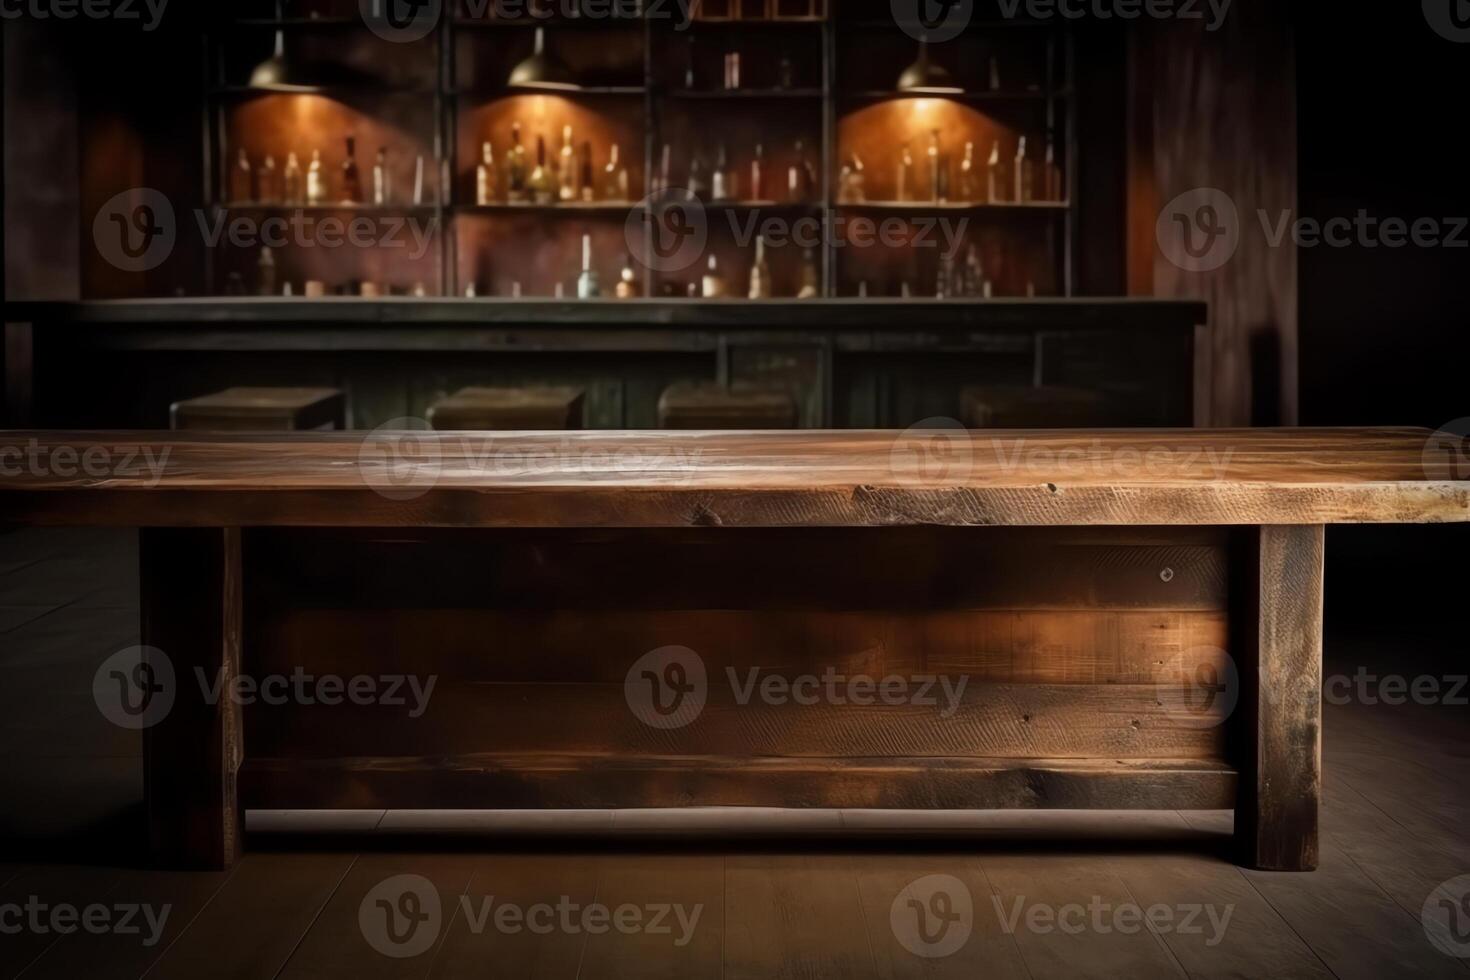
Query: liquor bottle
x,y
485,189
351,179
516,191
566,168
265,272
785,73
801,178
905,175
661,181
758,174
614,178
689,64
732,70
968,186
242,180
1025,183
975,282
585,183
316,180
382,179
291,180
944,281
852,182
418,181
588,286
811,283
713,284
269,184
994,181
722,179
760,272
539,185
627,287
938,170
1053,181
994,74
471,291
697,189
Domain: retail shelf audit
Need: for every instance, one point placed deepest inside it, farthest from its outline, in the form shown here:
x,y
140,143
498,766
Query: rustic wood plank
x,y
473,939
175,897
22,942
690,939
907,939
1281,697
1079,721
357,935
794,916
651,479
250,927
887,784
192,613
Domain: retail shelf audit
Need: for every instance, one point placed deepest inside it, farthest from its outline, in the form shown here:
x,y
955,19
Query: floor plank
x,y
354,937
253,924
794,915
40,892
475,939
685,891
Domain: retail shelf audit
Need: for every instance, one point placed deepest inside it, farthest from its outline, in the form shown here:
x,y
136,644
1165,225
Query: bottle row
x,y
315,185
569,176
999,179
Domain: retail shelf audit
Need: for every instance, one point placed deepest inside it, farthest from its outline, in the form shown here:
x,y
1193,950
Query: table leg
x,y
191,605
1280,665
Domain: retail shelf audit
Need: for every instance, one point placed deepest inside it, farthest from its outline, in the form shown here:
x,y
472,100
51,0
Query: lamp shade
x,y
279,73
923,76
541,70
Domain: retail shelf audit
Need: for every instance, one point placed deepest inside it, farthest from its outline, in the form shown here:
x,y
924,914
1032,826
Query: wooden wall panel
x,y
1219,110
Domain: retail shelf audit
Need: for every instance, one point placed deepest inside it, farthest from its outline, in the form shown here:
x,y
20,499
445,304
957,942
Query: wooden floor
x,y
1397,809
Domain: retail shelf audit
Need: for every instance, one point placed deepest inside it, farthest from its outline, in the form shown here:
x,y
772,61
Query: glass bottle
x,y
516,191
316,180
627,287
588,286
722,180
760,271
485,190
811,282
291,180
1025,182
967,175
269,184
938,170
852,182
566,168
801,178
351,178
585,183
994,180
905,185
758,174
382,179
265,272
614,178
697,188
539,184
242,180
713,283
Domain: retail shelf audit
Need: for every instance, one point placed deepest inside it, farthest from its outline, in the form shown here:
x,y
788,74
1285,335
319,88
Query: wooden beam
x,y
1280,574
191,605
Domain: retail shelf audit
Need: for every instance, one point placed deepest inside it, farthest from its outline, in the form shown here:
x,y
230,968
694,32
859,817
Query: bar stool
x,y
262,410
501,409
1043,407
698,405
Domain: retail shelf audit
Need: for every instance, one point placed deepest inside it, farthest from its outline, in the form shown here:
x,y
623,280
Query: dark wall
x,y
1385,333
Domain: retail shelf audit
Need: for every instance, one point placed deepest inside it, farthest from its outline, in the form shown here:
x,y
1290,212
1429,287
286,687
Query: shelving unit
x,y
833,91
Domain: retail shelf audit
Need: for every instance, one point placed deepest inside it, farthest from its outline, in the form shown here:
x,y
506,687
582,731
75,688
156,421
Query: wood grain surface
x,y
753,479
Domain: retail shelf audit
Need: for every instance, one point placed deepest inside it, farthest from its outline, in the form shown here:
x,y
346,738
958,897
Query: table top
x,y
752,479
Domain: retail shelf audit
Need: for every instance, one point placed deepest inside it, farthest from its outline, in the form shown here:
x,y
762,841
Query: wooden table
x,y
1136,617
